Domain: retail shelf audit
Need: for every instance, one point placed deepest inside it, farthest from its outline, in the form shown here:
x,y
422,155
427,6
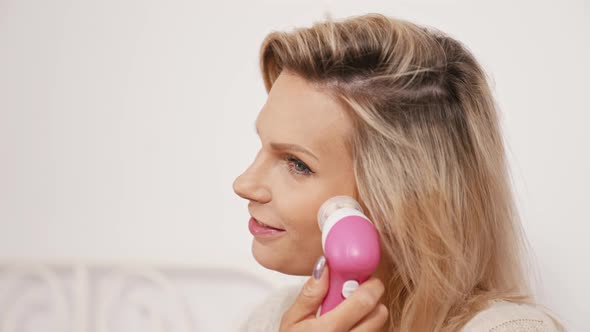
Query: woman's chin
x,y
274,259
269,257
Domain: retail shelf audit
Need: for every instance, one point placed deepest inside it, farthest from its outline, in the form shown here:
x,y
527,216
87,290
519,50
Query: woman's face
x,y
286,186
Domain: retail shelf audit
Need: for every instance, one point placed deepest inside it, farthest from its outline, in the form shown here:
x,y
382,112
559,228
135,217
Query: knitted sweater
x,y
500,316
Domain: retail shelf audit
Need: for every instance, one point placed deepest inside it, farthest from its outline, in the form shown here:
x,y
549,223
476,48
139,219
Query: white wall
x,y
124,123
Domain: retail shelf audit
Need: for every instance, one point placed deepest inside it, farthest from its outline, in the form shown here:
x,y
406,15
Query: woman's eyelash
x,y
303,170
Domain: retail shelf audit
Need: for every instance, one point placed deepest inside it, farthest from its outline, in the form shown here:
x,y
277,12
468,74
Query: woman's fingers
x,y
360,312
352,310
310,297
374,321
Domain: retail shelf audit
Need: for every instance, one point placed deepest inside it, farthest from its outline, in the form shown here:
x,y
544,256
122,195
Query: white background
x,y
124,123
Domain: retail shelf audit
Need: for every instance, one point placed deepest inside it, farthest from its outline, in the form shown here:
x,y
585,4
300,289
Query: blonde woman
x,y
401,118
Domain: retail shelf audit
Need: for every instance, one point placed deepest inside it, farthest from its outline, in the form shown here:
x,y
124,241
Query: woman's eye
x,y
298,167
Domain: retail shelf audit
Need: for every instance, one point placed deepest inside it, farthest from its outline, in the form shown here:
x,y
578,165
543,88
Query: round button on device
x,y
348,287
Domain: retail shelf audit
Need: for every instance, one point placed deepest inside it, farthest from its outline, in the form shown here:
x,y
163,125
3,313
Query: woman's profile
x,y
400,117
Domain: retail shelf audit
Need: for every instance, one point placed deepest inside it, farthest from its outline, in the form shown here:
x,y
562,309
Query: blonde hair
x,y
429,161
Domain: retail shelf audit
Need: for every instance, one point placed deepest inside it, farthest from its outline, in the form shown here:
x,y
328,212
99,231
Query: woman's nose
x,y
249,186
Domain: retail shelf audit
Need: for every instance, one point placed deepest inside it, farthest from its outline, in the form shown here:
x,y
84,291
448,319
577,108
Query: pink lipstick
x,y
260,230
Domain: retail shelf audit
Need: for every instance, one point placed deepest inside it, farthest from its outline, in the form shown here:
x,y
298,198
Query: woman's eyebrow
x,y
292,147
287,146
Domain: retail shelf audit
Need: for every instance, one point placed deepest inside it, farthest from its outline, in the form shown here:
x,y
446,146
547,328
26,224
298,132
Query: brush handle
x,y
339,289
352,252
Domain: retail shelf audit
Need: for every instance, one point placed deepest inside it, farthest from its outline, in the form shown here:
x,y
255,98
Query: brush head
x,y
336,203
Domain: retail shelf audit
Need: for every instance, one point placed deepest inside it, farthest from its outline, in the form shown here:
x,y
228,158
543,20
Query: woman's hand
x,y
361,311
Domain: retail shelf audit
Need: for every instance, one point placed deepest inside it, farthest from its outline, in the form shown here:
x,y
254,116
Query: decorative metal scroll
x,y
125,298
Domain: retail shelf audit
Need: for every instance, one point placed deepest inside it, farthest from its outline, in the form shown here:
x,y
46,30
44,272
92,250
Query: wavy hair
x,y
429,161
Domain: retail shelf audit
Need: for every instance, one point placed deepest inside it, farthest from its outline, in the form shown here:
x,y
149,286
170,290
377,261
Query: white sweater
x,y
500,316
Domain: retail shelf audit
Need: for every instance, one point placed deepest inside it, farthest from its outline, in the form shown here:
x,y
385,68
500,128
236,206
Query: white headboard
x,y
45,297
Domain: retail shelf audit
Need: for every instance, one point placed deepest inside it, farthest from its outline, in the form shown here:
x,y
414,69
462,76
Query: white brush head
x,y
336,203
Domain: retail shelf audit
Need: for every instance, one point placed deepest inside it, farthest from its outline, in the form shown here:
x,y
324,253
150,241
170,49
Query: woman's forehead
x,y
296,113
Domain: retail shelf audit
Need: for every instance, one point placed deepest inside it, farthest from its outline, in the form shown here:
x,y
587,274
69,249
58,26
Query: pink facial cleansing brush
x,y
351,247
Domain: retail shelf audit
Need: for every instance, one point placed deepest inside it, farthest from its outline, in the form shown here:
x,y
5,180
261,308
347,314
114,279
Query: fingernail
x,y
319,267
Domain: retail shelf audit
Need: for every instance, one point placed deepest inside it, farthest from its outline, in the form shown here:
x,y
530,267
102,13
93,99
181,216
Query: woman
x,y
401,118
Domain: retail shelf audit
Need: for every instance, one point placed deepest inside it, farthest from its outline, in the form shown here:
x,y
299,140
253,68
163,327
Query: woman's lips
x,y
258,229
